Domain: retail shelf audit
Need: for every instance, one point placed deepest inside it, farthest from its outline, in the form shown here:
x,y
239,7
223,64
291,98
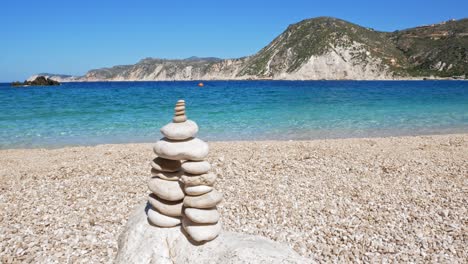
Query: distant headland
x,y
322,48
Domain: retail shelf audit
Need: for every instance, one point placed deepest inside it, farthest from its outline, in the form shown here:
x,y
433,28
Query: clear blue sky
x,y
71,37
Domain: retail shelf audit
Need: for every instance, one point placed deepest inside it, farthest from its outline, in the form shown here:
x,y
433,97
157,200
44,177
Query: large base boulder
x,y
141,242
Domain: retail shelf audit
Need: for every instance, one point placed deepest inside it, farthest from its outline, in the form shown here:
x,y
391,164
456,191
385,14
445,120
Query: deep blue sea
x,y
118,112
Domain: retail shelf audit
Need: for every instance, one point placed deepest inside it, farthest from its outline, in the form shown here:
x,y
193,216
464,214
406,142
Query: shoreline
x,y
426,79
53,147
394,198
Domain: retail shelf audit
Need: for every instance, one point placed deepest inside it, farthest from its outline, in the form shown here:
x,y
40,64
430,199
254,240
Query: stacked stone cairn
x,y
181,185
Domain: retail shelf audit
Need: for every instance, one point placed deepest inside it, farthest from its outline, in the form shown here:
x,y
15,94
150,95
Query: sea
x,y
90,113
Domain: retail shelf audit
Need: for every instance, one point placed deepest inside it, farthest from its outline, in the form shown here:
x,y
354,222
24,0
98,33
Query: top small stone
x,y
180,128
179,116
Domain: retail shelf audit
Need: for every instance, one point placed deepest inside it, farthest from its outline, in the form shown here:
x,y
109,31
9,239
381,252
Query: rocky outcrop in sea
x,y
38,81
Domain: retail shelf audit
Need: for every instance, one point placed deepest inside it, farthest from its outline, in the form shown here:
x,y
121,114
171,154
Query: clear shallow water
x,y
116,112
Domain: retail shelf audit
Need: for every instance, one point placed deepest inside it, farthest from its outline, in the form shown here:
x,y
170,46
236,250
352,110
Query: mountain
x,y
319,48
147,69
325,48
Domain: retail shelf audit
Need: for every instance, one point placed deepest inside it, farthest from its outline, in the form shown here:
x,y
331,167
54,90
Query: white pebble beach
x,y
371,200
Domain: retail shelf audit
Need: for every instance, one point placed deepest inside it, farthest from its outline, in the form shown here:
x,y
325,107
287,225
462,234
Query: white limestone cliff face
x,y
350,62
341,63
141,242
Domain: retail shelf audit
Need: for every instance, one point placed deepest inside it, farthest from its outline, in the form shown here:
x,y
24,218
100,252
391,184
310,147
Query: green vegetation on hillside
x,y
439,49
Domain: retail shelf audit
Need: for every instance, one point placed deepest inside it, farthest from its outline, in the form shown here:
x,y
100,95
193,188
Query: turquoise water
x,y
116,112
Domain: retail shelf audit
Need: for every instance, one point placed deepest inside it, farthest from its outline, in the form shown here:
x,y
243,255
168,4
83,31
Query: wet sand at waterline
x,y
402,198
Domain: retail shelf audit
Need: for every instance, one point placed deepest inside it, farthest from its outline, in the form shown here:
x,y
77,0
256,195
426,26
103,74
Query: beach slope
x,y
402,198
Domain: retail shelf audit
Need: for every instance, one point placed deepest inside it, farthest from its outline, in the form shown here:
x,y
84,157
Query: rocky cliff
x,y
319,48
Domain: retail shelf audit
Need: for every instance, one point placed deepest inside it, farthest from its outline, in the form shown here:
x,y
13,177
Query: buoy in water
x,y
200,84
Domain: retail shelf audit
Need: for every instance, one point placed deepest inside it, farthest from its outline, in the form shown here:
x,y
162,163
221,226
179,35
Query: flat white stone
x,y
198,190
207,200
204,179
196,167
170,176
161,220
180,131
167,190
201,232
202,216
165,165
192,149
168,208
141,242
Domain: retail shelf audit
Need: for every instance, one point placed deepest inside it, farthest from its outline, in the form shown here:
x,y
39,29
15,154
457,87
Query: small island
x,y
39,81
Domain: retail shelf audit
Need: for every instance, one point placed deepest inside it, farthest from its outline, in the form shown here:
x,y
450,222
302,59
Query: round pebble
x,y
202,216
180,131
169,176
167,190
193,149
197,190
194,180
179,119
196,167
201,232
165,165
169,208
161,220
206,200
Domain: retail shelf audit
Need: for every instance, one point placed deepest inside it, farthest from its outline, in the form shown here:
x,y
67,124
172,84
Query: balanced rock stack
x,y
181,185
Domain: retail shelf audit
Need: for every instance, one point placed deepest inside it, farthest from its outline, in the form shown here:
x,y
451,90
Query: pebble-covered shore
x,y
402,199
